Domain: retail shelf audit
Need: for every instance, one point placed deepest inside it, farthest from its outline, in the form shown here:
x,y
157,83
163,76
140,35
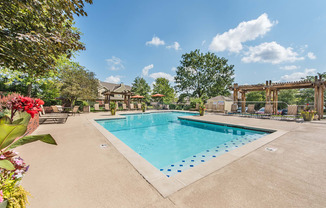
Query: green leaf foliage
x,y
203,74
47,138
33,34
6,164
162,86
141,87
76,81
9,132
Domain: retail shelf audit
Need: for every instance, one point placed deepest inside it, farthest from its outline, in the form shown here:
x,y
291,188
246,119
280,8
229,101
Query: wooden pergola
x,y
126,96
272,90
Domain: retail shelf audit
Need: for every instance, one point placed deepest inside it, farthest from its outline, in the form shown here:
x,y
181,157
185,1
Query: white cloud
x,y
289,67
175,46
311,55
296,76
232,40
174,69
113,79
115,63
162,74
203,42
270,52
146,69
155,41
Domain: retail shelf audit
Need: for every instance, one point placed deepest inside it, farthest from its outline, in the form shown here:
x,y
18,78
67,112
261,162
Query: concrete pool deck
x,y
79,173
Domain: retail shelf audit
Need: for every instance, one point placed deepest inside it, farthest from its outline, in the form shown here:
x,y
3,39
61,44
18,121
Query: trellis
x,y
272,90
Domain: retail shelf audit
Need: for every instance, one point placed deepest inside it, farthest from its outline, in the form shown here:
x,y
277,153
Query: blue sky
x,y
266,40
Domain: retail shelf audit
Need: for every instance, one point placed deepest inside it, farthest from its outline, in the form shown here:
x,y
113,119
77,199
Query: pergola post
x,y
320,110
243,101
268,93
129,102
316,90
276,100
235,93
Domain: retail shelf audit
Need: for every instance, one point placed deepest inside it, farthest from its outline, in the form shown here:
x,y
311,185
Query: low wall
x,y
33,124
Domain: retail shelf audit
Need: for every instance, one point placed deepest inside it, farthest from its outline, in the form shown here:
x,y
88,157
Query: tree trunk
x,y
29,90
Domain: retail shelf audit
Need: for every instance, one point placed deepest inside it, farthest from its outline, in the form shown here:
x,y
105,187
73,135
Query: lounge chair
x,y
132,107
54,117
107,107
97,107
74,110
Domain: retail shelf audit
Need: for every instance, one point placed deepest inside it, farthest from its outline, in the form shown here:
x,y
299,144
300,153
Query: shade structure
x,y
158,95
137,96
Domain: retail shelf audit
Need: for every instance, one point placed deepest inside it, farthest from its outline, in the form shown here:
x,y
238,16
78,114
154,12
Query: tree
x,y
33,34
140,87
257,98
203,74
287,97
77,82
162,86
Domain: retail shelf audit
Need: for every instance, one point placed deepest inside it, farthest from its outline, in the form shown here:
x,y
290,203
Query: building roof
x,y
221,98
112,87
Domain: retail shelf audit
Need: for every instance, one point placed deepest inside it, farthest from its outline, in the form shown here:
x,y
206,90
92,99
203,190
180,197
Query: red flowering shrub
x,y
23,104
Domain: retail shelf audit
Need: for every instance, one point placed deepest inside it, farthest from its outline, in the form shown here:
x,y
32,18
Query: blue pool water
x,y
173,145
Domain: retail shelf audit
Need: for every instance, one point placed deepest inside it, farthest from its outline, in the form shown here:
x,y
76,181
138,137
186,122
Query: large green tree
x,y
203,75
76,82
162,86
141,87
33,34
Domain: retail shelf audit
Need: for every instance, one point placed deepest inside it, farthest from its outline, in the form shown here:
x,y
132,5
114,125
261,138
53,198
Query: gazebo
x,y
125,95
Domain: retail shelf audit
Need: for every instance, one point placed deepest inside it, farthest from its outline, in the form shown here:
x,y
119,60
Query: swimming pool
x,y
173,144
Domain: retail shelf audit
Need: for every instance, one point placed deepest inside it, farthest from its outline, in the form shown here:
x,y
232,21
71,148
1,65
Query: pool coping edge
x,y
167,186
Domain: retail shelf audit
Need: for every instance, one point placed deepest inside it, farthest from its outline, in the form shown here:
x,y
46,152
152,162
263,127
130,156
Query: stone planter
x,y
4,204
112,112
307,116
201,112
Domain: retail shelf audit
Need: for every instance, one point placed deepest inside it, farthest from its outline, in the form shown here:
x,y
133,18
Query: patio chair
x,y
74,110
107,107
124,107
55,109
220,107
167,107
53,117
292,113
97,107
268,111
160,106
139,106
234,108
197,107
132,106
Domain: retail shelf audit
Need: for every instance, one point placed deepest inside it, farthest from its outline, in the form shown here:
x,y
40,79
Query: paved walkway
x,y
78,173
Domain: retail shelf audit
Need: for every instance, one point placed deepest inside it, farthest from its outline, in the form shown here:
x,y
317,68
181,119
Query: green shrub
x,y
186,107
49,102
173,106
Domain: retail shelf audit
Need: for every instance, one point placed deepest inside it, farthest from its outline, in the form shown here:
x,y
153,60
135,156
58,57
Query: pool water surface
x,y
173,144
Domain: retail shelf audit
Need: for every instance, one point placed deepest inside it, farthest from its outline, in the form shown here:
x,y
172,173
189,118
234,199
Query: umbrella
x,y
158,95
137,96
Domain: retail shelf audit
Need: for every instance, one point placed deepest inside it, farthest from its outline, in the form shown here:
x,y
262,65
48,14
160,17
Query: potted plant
x,y
143,106
308,114
86,107
13,126
113,106
202,109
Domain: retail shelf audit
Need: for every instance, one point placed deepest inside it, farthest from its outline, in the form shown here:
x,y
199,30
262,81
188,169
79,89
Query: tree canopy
x,y
33,34
162,86
203,75
76,82
141,87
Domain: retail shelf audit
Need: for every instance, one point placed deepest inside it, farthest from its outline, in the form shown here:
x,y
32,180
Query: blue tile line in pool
x,y
207,155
